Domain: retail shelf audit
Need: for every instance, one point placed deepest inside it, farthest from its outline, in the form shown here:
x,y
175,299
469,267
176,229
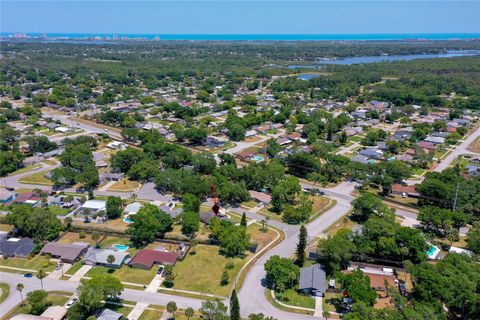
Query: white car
x,y
71,303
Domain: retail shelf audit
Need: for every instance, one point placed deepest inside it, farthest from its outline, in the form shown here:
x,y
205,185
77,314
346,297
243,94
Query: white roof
x,y
133,207
62,129
95,204
460,251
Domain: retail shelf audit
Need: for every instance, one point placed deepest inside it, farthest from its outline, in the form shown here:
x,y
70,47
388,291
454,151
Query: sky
x,y
240,17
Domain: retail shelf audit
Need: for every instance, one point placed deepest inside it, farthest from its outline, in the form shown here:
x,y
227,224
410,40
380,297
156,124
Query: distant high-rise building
x,y
115,37
157,38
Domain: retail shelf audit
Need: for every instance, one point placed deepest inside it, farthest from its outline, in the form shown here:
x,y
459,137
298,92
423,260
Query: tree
x,y
301,246
438,220
37,302
337,250
189,312
99,288
123,160
273,148
358,286
38,223
144,170
190,222
41,274
191,202
214,310
234,306
281,272
114,207
193,244
233,240
397,169
196,135
260,316
95,237
368,204
111,258
236,132
19,288
225,278
172,308
285,192
243,221
473,238
149,222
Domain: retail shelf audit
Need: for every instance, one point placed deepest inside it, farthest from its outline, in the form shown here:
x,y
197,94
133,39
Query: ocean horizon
x,y
253,37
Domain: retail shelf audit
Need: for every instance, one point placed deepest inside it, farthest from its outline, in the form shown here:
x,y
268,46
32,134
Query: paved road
x,y
70,286
252,294
459,150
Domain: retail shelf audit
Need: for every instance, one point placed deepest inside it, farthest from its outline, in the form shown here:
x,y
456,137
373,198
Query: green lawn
x,y
5,289
5,227
75,267
126,274
58,211
36,263
293,298
56,300
202,271
151,315
36,178
25,169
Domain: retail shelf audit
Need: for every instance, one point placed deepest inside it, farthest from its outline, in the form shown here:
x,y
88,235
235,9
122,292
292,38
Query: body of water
x,y
308,76
257,37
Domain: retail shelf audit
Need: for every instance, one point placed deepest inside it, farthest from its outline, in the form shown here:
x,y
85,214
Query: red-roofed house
x,y
408,190
145,259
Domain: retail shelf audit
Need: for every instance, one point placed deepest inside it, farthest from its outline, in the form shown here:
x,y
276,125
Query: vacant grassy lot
x,y
37,178
202,272
124,185
126,274
58,211
117,225
36,263
71,237
258,235
293,298
320,205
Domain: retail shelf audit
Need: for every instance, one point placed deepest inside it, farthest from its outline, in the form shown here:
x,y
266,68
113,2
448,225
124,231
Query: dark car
x,y
160,270
28,275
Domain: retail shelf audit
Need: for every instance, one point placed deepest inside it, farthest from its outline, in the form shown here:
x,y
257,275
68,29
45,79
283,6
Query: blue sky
x,y
240,17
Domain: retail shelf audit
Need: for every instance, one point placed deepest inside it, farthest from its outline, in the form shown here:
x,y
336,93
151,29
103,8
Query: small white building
x,y
95,205
64,129
116,145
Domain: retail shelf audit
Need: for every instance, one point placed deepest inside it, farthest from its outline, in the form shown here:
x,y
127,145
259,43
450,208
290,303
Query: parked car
x,y
71,303
160,270
28,275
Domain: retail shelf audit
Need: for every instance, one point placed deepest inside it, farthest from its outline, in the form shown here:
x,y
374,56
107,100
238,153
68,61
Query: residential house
x,y
435,140
132,208
6,196
244,155
426,146
99,257
68,253
359,158
107,314
55,313
283,141
213,142
372,153
16,247
94,206
403,134
27,198
410,191
261,197
381,282
145,259
313,280
473,170
250,133
171,212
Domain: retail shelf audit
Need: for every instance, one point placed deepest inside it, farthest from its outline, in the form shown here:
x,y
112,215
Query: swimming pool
x,y
258,158
432,252
127,220
120,247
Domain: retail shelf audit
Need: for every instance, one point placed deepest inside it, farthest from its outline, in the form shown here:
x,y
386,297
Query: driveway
x,y
80,273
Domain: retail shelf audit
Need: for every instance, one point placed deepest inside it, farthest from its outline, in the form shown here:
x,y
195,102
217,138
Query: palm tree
x,y
189,312
171,308
193,244
267,218
264,222
111,258
40,275
20,289
95,237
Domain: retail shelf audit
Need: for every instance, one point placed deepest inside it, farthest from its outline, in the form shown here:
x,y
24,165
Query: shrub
x,y
81,235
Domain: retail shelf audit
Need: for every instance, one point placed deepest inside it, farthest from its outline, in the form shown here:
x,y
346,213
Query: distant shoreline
x,y
84,37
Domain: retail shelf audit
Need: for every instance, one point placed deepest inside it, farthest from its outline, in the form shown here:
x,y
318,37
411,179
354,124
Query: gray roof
x,y
313,277
16,247
100,256
107,314
359,158
172,213
64,251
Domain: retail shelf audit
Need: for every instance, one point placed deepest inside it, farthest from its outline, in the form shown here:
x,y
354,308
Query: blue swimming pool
x,y
120,247
432,251
127,220
258,158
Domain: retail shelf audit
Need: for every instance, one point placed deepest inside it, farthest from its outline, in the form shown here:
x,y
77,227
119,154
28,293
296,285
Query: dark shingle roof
x,y
313,277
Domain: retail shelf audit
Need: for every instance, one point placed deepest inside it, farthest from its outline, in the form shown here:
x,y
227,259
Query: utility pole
x,y
456,197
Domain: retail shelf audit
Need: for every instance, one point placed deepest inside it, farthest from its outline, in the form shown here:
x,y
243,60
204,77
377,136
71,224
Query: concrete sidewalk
x,y
80,273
